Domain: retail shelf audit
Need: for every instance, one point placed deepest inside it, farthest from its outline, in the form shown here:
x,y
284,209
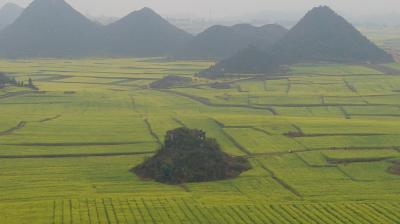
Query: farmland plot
x,y
320,139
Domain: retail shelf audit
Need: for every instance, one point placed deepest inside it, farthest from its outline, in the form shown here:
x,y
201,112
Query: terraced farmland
x,y
321,140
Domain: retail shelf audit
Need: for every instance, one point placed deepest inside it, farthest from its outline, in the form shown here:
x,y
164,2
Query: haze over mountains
x,y
143,33
8,14
223,41
320,36
49,28
52,28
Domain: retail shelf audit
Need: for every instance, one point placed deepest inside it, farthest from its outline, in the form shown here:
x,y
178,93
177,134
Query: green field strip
x,y
349,176
357,213
251,213
121,210
287,214
237,144
195,212
257,142
134,211
329,166
357,160
313,214
360,155
187,211
93,215
100,212
383,209
168,211
160,125
145,216
206,102
57,212
110,216
385,69
316,105
180,214
69,144
375,215
266,215
345,113
214,130
301,214
372,215
243,216
278,180
15,94
322,214
238,217
154,210
339,214
227,216
128,211
270,211
213,216
117,215
54,212
339,135
157,210
83,211
256,214
80,155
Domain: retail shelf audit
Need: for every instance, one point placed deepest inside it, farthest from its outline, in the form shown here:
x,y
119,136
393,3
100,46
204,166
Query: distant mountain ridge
x,y
320,36
8,14
52,28
224,41
49,28
144,33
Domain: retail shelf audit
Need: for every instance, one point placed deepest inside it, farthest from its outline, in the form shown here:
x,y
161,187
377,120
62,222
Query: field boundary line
x,y
278,180
22,124
77,144
74,155
349,176
179,122
207,102
15,94
249,127
19,126
384,69
314,166
152,133
237,144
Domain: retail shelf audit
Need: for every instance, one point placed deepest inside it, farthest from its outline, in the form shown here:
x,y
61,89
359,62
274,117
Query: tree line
x,y
7,81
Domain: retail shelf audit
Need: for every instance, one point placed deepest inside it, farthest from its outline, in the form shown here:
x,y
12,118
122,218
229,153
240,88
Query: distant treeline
x,y
7,81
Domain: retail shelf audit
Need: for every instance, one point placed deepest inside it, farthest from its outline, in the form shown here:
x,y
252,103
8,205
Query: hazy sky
x,y
220,8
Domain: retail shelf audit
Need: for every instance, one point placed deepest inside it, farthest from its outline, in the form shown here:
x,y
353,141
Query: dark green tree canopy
x,y
189,156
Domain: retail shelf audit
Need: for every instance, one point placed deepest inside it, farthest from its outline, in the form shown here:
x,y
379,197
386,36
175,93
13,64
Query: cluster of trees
x,y
189,156
170,81
5,80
